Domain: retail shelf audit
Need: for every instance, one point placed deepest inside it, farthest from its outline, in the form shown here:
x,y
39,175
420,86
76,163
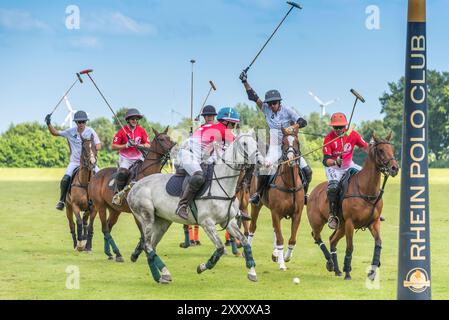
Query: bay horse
x,y
361,207
155,209
284,197
77,198
101,192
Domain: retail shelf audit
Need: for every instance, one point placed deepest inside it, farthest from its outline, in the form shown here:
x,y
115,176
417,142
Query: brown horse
x,y
361,207
101,192
284,197
77,199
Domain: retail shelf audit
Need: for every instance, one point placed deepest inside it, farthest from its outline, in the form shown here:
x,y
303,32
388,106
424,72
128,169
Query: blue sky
x,y
140,52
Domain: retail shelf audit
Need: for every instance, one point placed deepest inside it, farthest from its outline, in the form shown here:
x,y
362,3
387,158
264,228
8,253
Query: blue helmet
x,y
228,114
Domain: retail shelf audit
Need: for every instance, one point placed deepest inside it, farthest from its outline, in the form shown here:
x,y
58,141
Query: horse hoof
x,y
80,249
348,277
166,278
162,280
134,258
119,259
201,268
110,258
338,273
237,254
287,259
252,277
274,258
372,275
283,268
330,265
88,251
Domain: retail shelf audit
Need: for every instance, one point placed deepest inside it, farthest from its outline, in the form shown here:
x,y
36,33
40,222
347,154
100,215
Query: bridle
x,y
381,164
162,157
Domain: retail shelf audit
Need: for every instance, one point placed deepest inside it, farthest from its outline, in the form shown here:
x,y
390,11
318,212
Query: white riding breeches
x,y
336,173
188,161
126,163
73,165
273,156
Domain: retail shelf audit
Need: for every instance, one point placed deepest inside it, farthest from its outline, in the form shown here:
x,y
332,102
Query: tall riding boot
x,y
195,183
122,179
65,184
332,197
262,181
307,174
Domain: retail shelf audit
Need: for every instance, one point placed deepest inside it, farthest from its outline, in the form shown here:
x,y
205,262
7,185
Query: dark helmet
x,y
209,111
80,116
272,95
133,113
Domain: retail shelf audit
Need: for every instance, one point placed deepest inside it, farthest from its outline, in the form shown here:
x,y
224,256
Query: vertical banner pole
x,y
414,233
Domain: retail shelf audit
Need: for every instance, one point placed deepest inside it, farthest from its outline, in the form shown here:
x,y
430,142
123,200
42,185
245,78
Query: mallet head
x,y
358,96
86,71
212,85
294,4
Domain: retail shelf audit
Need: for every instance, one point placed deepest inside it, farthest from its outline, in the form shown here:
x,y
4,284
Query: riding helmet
x,y
228,114
80,116
272,95
133,113
338,120
209,111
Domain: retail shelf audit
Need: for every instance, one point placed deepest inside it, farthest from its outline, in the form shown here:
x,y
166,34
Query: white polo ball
x,y
296,280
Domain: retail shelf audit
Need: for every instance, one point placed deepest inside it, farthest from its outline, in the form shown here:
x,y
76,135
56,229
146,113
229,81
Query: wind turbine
x,y
69,118
322,104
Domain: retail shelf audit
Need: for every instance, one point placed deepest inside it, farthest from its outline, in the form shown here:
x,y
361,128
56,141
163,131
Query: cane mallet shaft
x,y
357,98
293,5
87,72
212,87
67,92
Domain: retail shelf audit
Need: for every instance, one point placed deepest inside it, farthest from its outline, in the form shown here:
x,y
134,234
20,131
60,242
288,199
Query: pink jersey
x,y
139,135
343,146
209,133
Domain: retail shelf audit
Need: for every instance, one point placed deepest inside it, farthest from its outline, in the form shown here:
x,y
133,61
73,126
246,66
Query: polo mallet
x,y
212,87
87,72
191,99
293,5
357,98
67,92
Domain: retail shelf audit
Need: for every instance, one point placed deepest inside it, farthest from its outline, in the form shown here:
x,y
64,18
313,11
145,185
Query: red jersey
x,y
209,133
139,135
343,146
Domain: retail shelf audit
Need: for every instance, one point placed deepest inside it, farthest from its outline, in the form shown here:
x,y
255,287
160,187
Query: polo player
x,y
199,148
338,159
277,116
74,138
126,142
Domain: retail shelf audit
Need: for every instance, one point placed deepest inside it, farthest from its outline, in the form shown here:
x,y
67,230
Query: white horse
x,y
155,210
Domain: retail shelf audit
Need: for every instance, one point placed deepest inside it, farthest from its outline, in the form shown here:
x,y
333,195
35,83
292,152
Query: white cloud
x,y
20,20
85,42
117,23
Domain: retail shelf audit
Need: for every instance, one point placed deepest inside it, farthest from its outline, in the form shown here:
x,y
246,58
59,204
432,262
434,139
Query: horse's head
x,y
290,142
243,151
382,153
161,144
88,153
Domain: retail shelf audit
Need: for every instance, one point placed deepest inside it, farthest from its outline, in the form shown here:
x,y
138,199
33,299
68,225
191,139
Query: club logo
x,y
417,280
347,147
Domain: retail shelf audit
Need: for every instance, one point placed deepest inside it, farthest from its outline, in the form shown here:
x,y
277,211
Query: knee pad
x,y
122,175
66,178
332,189
307,173
197,180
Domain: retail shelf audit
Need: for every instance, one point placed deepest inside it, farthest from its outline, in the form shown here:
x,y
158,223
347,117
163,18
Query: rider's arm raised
x,y
53,131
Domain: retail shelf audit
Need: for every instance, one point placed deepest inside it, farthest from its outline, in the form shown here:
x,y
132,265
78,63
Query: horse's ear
x,y
166,130
155,131
388,138
374,138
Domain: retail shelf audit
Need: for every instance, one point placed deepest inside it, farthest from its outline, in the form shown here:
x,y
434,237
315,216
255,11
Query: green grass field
x,y
35,250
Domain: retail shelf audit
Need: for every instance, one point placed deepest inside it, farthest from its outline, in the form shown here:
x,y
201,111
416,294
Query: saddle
x,y
133,173
343,188
178,182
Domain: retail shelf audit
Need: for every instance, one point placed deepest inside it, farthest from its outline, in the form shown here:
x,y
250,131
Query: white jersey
x,y
73,137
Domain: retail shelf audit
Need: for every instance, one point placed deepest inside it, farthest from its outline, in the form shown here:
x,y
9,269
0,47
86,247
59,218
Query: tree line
x,y
29,145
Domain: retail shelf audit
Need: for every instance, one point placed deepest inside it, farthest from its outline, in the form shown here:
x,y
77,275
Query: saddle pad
x,y
176,184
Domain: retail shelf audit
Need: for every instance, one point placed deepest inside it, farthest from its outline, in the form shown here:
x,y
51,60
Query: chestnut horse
x,y
77,199
101,192
361,207
284,197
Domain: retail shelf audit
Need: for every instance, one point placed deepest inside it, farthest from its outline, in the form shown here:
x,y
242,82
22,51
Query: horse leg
x,y
79,228
140,245
90,229
296,219
235,232
105,230
349,232
85,227
279,241
160,227
69,213
334,238
375,231
316,234
112,220
209,227
255,210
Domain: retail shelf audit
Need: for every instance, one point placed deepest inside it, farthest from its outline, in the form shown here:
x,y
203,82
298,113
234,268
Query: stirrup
x,y
60,205
185,215
118,198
